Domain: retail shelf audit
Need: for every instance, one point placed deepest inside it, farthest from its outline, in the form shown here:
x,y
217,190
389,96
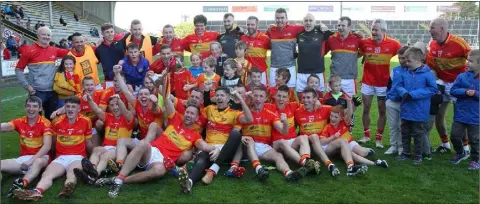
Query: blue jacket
x,y
466,108
392,93
420,85
135,75
196,71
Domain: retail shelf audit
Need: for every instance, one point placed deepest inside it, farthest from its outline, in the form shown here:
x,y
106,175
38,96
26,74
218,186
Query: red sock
x,y
327,163
379,134
444,138
303,158
255,163
234,164
121,177
286,172
349,163
25,182
40,190
366,132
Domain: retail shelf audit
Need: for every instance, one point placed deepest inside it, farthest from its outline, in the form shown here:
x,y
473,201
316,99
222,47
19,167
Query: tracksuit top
x,y
311,49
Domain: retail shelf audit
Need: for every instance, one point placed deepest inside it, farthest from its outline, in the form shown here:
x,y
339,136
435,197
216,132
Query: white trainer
x,y
379,144
391,150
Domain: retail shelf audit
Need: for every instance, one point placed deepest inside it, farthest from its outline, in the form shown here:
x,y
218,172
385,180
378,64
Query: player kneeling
x,y
338,130
35,141
73,133
119,123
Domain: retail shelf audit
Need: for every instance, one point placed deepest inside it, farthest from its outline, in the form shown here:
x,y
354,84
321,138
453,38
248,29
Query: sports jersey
x,y
31,138
220,123
377,60
284,41
147,117
272,91
41,66
344,55
448,60
202,78
312,122
229,39
71,138
258,46
182,78
85,109
176,138
116,129
289,110
199,123
176,46
261,127
200,44
342,128
311,50
109,92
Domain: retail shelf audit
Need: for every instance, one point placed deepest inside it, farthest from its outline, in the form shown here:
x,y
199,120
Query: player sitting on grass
x,y
73,133
338,129
465,116
35,133
158,157
149,117
311,122
119,123
282,76
416,86
257,139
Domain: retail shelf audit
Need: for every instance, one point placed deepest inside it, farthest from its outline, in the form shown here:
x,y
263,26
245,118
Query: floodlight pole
x,y
341,9
50,13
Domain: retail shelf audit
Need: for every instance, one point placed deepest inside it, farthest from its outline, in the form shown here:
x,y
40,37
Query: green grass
x,y
433,181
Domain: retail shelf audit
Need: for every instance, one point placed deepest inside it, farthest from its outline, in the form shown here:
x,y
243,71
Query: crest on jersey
x,y
440,53
251,43
377,50
311,118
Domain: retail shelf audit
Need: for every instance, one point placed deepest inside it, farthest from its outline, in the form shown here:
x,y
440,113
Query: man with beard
x,y
170,39
378,51
231,36
85,59
258,45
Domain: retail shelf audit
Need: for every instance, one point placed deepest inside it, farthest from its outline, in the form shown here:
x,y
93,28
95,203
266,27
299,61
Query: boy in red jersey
x,y
35,142
119,123
73,133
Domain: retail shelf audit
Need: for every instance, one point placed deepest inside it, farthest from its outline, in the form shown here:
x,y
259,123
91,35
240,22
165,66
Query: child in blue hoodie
x,y
416,86
466,111
135,67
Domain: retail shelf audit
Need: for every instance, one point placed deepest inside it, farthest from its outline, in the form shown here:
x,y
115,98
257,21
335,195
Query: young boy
x,y
184,80
416,86
255,78
230,78
466,111
393,105
209,80
135,66
196,68
243,65
282,76
313,81
217,54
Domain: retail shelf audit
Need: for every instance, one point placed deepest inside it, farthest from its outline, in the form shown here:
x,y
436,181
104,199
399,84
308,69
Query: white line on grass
x,y
13,98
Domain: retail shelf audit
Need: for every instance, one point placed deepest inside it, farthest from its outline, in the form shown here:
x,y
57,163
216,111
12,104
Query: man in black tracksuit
x,y
231,36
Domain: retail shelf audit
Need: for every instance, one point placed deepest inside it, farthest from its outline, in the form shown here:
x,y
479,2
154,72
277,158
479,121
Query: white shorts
x,y
373,90
24,158
293,79
290,141
324,147
155,156
136,141
446,96
352,144
66,160
94,131
262,148
109,148
302,82
219,146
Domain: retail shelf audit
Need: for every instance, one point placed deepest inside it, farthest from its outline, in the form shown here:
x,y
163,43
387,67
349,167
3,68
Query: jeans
x,y
457,135
414,129
393,118
49,101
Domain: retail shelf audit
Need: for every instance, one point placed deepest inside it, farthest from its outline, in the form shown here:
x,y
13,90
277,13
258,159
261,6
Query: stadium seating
x,y
404,31
38,11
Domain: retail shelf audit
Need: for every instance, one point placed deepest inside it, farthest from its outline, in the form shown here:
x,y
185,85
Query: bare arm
x,y
283,126
348,116
247,115
123,86
47,144
124,110
169,107
58,112
6,127
95,108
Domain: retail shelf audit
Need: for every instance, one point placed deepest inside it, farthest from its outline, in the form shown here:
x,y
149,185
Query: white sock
x,y
215,168
446,145
118,181
466,148
191,182
257,168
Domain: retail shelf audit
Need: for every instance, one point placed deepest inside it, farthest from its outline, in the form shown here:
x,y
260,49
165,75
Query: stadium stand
x,y
38,11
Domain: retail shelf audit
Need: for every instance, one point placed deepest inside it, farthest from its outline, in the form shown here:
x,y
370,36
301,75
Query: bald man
x,y
447,56
40,59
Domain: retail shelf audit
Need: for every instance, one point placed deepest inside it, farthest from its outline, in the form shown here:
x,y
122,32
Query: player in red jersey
x,y
158,157
258,45
378,51
199,42
73,133
170,39
119,123
35,142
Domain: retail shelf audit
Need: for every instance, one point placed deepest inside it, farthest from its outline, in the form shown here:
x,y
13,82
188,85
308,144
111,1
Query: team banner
x,y
326,8
448,9
8,67
383,8
415,8
244,8
274,8
215,8
8,32
352,8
